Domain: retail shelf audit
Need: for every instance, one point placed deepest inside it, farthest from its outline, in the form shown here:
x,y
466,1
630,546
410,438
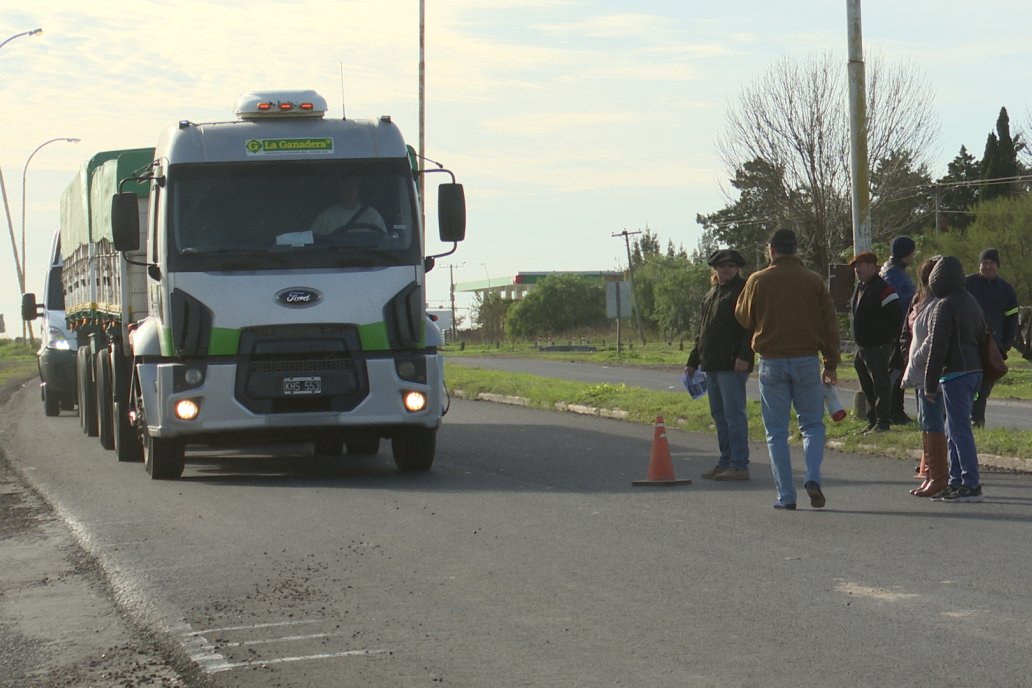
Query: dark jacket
x,y
956,328
721,339
999,306
877,316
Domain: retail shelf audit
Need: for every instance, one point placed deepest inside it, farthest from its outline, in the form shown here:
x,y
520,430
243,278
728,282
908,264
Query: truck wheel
x,y
364,446
51,403
328,447
105,427
164,458
414,449
82,357
127,444
87,393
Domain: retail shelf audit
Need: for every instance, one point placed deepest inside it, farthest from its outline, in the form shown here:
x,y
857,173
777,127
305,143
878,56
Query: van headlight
x,y
56,339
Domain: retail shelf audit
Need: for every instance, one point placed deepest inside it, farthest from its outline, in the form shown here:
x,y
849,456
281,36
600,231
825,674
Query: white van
x,y
57,348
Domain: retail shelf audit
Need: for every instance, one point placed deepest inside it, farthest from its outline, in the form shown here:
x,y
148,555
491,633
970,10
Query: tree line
x,y
785,148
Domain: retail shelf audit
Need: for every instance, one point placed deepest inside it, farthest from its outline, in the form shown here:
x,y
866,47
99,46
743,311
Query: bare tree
x,y
795,118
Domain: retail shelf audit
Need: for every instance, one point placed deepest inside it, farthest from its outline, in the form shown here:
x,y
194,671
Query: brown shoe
x,y
732,473
712,473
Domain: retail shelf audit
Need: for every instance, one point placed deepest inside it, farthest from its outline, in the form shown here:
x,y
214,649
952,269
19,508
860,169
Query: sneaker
x,y
949,489
964,494
781,505
881,427
869,428
712,473
732,473
817,500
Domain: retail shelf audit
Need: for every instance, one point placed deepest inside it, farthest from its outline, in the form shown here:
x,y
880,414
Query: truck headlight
x,y
414,401
187,409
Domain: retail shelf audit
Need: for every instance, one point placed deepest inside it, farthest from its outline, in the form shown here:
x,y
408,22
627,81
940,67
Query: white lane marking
x,y
253,626
216,668
284,639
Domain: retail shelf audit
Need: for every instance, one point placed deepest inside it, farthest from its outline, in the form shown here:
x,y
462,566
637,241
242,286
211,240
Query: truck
x,y
282,255
102,293
55,358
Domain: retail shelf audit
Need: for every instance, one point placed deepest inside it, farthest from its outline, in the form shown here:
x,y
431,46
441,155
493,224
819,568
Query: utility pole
x,y
858,132
451,278
630,276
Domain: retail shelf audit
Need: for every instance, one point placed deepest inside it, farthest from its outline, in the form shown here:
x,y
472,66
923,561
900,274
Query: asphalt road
x,y
1000,413
526,558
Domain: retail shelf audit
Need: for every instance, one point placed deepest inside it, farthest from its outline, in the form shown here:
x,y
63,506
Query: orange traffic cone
x,y
661,470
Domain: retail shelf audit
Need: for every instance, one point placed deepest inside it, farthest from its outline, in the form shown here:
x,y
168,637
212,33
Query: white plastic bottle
x,y
831,401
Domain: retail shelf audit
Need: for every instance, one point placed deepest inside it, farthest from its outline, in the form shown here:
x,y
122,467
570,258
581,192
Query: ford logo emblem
x,y
298,297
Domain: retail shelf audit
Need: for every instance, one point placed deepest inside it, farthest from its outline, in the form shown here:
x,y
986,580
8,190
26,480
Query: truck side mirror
x,y
451,212
29,307
125,221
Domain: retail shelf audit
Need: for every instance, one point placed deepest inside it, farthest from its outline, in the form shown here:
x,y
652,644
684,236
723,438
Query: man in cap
x,y
722,350
877,322
894,272
792,318
1000,307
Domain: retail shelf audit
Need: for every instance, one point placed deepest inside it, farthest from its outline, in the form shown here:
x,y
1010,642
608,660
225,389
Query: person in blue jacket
x,y
894,272
1000,308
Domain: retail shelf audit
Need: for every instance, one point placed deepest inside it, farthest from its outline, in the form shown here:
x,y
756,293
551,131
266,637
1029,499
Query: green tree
x,y
558,304
900,203
489,312
958,191
747,223
1000,161
1002,223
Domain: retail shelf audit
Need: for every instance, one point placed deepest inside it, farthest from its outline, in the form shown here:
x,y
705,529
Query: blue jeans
x,y
931,415
958,395
727,406
784,383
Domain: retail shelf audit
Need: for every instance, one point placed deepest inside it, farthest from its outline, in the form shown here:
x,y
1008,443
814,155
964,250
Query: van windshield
x,y
259,215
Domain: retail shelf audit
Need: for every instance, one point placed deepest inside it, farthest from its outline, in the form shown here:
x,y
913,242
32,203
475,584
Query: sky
x,y
566,120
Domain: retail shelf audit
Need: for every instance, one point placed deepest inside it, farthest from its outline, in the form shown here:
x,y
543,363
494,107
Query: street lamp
x,y
24,172
34,32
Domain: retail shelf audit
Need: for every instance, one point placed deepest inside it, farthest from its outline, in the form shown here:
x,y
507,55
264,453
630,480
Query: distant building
x,y
515,287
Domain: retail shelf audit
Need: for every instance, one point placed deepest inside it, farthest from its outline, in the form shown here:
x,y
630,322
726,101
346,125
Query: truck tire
x,y
102,375
414,449
364,446
51,403
87,394
127,444
164,458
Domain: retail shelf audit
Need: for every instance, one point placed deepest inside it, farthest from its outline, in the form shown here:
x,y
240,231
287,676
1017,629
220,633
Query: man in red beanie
x,y
877,322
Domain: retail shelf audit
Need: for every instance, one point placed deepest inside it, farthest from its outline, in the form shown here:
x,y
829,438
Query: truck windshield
x,y
259,215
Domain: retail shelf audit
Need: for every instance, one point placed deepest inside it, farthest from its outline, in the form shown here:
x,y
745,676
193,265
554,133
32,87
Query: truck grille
x,y
272,355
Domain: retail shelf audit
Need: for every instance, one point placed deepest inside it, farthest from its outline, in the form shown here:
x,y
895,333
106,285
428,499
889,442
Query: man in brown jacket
x,y
790,313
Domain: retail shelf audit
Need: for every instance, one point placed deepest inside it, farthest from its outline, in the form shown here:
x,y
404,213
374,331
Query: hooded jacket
x,y
955,325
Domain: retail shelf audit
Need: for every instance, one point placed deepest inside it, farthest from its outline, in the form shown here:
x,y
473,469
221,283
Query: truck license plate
x,y
297,386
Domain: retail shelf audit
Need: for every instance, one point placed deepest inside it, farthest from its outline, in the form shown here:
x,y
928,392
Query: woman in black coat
x,y
954,369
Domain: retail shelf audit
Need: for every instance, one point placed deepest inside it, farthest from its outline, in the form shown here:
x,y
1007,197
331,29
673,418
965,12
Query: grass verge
x,y
681,411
